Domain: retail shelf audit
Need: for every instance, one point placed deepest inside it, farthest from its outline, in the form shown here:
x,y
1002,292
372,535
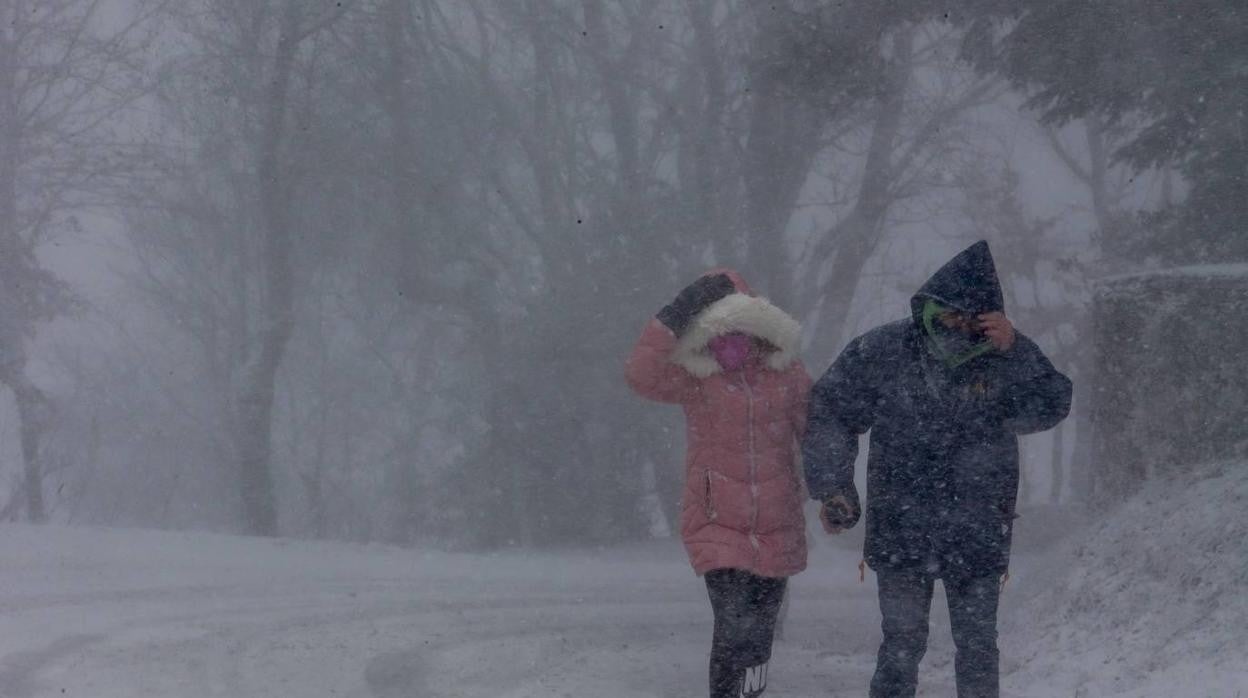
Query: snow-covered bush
x,y
1171,373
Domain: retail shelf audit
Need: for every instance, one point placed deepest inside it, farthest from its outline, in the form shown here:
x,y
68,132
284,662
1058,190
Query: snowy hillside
x,y
1153,601
1152,604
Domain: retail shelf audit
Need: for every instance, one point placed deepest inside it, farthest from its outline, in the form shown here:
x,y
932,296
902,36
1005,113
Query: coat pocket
x,y
708,500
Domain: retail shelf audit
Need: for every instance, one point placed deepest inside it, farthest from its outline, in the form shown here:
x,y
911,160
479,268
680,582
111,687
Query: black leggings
x,y
745,607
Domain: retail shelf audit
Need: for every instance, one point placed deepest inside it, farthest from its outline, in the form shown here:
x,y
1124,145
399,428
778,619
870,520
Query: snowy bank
x,y
1150,601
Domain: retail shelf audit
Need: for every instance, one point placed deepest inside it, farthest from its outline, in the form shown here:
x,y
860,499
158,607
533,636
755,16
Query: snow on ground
x,y
112,613
1151,601
1155,611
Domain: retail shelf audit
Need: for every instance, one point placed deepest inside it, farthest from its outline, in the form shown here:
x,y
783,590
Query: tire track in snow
x,y
18,670
219,634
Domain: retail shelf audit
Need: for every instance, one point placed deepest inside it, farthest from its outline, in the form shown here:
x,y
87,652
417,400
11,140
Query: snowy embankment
x,y
1150,601
1151,604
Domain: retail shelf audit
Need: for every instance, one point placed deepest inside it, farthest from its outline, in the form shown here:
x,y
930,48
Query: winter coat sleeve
x,y
1037,396
842,407
650,372
801,405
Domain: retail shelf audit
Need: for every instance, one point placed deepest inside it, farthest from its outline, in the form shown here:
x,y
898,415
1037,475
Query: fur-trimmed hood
x,y
739,312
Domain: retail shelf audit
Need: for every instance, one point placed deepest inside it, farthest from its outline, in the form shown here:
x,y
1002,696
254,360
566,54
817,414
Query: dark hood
x,y
968,283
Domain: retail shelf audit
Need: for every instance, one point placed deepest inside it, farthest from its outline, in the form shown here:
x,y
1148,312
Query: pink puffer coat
x,y
742,502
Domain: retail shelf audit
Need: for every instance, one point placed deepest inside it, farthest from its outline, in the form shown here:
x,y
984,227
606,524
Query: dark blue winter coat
x,y
942,470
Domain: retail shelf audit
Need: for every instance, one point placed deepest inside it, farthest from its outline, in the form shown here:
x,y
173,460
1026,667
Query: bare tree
x,y
916,125
1108,188
251,54
418,226
64,80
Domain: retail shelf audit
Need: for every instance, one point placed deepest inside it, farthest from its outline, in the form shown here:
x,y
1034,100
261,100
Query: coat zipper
x,y
749,411
708,504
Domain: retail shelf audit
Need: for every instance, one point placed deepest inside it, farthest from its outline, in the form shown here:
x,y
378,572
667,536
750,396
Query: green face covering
x,y
952,346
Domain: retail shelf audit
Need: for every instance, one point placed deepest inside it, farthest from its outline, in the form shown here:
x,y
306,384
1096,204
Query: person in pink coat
x,y
729,359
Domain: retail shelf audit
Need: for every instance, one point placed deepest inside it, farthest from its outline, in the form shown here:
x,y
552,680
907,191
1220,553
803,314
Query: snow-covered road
x,y
113,613
1148,602
129,613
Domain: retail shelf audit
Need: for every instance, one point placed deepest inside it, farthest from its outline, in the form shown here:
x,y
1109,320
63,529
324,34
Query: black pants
x,y
745,607
905,600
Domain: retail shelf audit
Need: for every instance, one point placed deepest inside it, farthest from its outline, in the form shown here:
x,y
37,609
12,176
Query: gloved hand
x,y
693,299
838,514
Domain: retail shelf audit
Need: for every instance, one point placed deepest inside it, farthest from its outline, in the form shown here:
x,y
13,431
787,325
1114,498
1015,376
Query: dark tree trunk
x,y
854,239
713,181
784,130
32,411
255,400
30,401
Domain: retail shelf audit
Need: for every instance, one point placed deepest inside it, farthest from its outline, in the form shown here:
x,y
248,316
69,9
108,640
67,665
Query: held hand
x,y
999,330
837,515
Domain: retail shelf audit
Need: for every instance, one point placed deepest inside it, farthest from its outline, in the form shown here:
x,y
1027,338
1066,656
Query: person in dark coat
x,y
945,394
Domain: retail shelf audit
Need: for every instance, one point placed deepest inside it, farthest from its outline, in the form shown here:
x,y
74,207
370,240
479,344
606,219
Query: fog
x,y
364,276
